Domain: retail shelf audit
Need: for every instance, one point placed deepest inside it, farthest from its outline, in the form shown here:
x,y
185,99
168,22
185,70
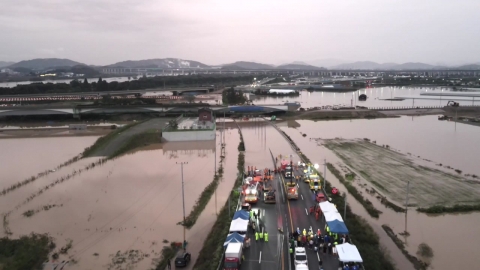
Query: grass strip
x,y
212,251
27,252
457,208
138,140
104,140
419,265
204,198
168,253
367,204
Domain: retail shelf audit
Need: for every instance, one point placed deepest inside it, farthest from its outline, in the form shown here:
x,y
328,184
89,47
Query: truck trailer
x,y
233,256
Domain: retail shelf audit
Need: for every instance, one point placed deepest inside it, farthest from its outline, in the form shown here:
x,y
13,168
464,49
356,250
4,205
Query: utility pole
x,y
456,110
183,199
406,206
324,174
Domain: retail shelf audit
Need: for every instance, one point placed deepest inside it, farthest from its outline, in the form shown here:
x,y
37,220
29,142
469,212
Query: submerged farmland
x,y
389,171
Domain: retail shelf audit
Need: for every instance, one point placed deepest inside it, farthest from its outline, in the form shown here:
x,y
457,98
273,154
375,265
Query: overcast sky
x,y
221,31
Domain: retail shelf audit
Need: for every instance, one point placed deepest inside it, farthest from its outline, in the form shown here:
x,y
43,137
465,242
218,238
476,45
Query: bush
x,y
425,251
27,252
438,209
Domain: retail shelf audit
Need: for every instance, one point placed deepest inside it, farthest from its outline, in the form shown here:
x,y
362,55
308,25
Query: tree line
x,y
143,83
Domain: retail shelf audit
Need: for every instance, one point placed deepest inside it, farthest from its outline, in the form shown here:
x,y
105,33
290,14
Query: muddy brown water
x,y
450,236
23,158
131,203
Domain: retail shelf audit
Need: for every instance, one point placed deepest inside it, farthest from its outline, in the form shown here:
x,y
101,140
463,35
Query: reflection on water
x,y
23,158
133,202
448,235
375,96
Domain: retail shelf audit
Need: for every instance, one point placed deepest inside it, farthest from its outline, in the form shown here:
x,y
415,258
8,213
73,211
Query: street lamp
x,y
183,199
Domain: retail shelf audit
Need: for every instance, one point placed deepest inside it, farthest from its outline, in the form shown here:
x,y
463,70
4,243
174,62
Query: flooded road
x,y
130,203
375,96
448,235
23,158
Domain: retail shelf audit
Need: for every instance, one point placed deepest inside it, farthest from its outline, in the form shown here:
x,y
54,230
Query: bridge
x,y
160,109
304,72
113,93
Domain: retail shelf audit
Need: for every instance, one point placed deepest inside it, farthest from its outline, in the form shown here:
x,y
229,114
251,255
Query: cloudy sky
x,y
221,31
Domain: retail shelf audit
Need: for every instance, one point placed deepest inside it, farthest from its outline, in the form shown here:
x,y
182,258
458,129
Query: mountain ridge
x,y
45,63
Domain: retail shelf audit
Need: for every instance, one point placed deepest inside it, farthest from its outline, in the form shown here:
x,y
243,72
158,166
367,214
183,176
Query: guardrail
x,y
396,108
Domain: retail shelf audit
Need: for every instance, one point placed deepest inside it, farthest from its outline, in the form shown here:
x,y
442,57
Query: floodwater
x,y
423,136
450,236
375,96
23,158
130,203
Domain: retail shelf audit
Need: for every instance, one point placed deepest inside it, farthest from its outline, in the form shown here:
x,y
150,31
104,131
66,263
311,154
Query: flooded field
x,y
130,203
389,171
24,158
375,96
448,235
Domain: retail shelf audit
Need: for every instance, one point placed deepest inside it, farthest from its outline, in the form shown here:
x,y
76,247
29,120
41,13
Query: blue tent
x,y
241,214
233,238
337,226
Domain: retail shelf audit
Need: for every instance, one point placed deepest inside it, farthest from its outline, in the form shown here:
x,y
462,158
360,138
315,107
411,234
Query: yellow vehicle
x,y
312,178
315,184
292,191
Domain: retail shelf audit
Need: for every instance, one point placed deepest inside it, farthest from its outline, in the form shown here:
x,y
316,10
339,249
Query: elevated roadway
x,y
114,93
79,110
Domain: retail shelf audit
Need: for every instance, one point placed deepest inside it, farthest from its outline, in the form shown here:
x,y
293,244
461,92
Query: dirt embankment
x,y
462,111
111,146
337,114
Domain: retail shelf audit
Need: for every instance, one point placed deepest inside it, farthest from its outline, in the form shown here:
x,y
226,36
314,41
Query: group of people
x,y
318,241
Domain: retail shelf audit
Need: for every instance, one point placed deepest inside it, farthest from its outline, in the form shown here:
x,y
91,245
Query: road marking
x,y
260,259
302,196
306,211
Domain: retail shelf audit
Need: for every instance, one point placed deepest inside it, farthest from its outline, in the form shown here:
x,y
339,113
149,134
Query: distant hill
x,y
329,62
86,70
160,63
365,65
386,66
415,66
298,66
232,67
45,63
5,64
472,67
250,65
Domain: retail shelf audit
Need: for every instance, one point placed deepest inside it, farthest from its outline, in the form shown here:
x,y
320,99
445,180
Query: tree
x,y
190,98
173,124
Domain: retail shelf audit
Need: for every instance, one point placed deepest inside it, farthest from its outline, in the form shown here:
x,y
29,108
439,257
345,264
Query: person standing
x,y
169,264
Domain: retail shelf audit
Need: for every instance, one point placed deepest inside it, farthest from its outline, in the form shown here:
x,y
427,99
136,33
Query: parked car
x,y
182,259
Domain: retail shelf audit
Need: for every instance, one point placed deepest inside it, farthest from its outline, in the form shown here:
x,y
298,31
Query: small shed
x,y
205,114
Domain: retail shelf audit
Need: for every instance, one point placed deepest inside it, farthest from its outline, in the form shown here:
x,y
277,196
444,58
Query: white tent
x,y
348,253
327,207
239,225
331,216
